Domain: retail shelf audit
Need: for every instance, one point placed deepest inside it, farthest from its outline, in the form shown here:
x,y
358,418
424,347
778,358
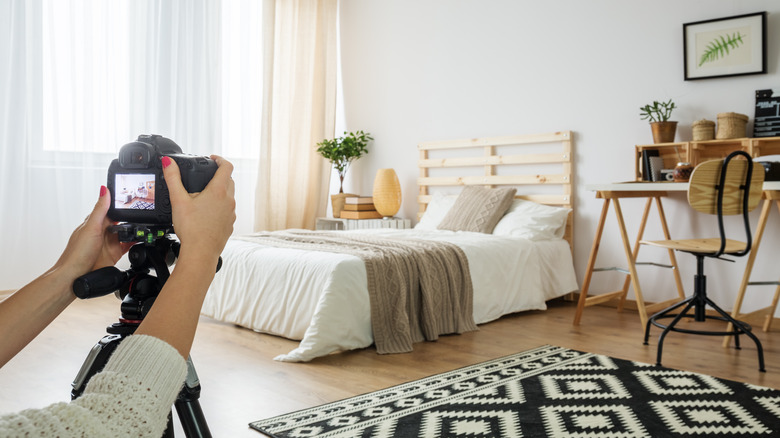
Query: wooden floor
x,y
241,381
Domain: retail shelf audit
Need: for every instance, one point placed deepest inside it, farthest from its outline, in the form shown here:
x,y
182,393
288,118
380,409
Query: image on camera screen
x,y
134,191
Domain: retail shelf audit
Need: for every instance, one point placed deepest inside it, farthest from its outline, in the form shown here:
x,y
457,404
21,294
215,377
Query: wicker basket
x,y
732,125
703,130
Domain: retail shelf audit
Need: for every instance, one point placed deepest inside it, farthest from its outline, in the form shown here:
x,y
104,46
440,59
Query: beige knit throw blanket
x,y
418,289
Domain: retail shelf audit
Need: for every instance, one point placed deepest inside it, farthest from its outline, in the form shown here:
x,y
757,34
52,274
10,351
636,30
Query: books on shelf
x,y
647,168
351,200
359,207
365,214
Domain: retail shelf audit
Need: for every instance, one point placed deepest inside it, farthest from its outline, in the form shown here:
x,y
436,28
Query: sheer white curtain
x,y
299,110
80,78
14,198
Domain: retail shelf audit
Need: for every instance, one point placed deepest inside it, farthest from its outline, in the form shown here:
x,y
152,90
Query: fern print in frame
x,y
731,46
721,47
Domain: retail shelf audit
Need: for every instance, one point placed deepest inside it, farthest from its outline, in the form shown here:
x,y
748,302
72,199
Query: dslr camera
x,y
139,194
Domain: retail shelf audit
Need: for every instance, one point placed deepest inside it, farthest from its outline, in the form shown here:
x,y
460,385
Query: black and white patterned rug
x,y
143,205
548,391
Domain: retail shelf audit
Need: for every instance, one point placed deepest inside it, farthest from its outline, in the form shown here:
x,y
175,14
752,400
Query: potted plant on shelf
x,y
341,152
659,113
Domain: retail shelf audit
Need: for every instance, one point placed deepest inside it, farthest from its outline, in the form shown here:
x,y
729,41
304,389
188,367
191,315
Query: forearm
x,y
29,310
131,396
174,315
203,223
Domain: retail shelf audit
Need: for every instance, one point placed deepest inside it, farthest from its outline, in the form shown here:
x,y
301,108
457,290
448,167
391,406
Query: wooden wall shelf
x,y
696,152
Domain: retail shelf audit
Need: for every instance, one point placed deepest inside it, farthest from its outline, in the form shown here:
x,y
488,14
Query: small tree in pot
x,y
341,152
659,113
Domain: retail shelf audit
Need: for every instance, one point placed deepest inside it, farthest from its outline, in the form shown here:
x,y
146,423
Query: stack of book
x,y
360,207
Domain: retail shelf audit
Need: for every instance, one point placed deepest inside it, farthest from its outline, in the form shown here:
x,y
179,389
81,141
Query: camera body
x,y
135,180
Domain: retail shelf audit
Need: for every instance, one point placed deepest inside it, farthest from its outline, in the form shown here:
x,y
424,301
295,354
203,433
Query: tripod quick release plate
x,y
140,232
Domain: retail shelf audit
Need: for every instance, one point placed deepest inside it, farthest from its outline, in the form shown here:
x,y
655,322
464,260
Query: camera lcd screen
x,y
134,191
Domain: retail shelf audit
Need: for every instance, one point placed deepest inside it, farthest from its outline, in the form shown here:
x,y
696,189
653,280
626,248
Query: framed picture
x,y
731,46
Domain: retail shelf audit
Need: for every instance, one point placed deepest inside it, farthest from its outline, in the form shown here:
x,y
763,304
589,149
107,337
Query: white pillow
x,y
438,207
532,221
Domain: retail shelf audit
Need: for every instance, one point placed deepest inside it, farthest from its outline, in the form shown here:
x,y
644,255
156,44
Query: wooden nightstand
x,y
329,223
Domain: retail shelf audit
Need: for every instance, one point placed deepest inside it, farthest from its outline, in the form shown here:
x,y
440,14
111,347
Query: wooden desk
x,y
611,194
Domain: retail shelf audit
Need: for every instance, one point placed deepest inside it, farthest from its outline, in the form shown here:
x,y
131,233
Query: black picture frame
x,y
725,47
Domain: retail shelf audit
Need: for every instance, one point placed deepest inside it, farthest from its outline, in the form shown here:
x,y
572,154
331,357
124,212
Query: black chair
x,y
718,187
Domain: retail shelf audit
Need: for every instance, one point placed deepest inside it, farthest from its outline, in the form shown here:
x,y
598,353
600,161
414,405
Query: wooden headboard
x,y
538,165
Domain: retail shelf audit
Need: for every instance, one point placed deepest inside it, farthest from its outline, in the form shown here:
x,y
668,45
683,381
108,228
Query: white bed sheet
x,y
321,298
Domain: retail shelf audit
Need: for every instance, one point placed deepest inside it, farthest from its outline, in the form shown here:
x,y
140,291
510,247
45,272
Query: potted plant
x,y
341,152
659,113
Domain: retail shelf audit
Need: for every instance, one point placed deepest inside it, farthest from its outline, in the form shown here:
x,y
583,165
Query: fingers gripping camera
x,y
135,180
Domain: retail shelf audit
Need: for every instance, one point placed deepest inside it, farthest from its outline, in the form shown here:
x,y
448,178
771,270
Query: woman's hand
x,y
92,246
202,221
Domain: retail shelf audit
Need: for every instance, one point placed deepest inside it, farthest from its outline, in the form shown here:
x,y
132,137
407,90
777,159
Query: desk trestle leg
x,y
631,255
768,312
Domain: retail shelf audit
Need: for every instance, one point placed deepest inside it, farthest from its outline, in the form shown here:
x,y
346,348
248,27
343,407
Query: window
x,y
111,70
86,84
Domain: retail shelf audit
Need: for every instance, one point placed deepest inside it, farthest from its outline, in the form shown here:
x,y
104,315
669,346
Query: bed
x,y
124,197
322,298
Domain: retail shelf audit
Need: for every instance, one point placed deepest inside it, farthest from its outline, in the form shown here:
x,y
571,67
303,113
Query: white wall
x,y
420,70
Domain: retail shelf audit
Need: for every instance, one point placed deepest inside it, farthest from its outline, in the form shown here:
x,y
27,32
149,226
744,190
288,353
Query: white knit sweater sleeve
x,y
132,396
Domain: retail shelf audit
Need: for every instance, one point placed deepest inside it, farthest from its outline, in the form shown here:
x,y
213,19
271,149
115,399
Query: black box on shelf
x,y
766,122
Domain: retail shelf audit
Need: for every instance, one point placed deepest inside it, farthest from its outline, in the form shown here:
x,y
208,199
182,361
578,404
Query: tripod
x,y
138,289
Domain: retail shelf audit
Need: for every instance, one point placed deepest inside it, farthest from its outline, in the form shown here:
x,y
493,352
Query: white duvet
x,y
321,298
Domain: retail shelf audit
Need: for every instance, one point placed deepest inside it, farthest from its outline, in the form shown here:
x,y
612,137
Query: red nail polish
x,y
103,191
166,161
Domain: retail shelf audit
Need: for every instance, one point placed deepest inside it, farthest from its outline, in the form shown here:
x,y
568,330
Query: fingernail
x,y
166,161
103,191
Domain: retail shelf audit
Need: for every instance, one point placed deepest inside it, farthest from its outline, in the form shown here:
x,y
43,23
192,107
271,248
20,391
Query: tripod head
x,y
155,249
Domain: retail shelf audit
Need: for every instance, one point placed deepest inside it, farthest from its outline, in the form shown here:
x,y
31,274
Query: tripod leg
x,y
192,419
94,363
188,407
169,430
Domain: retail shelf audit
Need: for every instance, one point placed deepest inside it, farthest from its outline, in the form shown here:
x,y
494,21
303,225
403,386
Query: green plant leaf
x,y
658,111
719,47
341,151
